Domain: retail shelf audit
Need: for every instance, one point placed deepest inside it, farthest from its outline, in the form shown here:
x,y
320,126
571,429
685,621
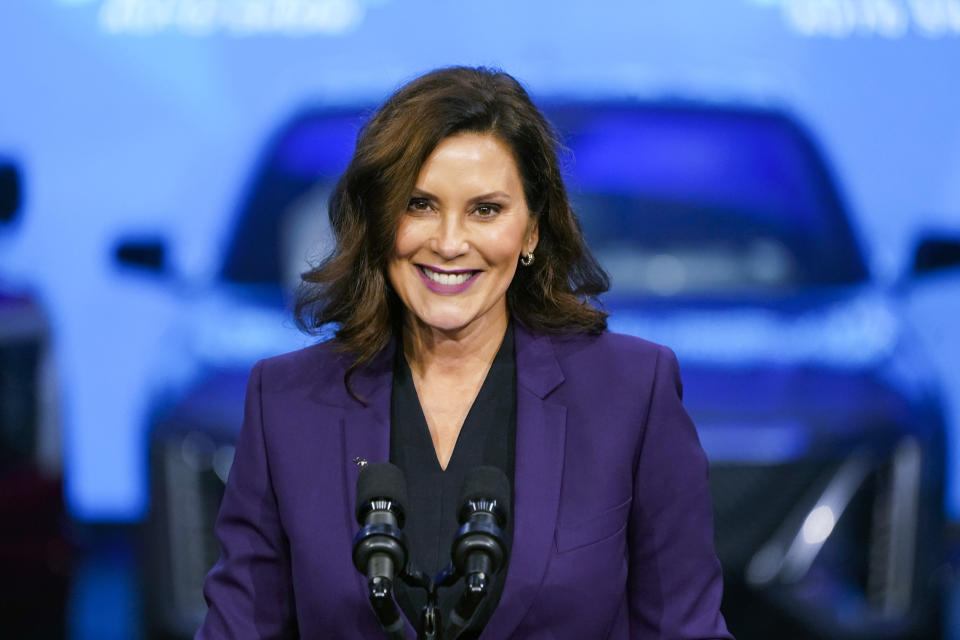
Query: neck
x,y
432,351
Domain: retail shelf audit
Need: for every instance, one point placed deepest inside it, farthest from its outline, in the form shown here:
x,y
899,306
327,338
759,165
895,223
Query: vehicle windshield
x,y
697,201
282,226
668,248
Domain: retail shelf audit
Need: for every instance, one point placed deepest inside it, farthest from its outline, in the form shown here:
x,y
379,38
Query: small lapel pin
x,y
360,462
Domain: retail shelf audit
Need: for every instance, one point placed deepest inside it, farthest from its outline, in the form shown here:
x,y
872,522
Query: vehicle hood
x,y
846,328
777,379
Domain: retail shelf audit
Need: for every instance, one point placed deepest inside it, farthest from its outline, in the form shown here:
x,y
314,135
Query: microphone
x,y
479,550
380,547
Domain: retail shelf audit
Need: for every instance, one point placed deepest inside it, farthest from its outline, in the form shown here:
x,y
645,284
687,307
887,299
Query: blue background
x,y
146,116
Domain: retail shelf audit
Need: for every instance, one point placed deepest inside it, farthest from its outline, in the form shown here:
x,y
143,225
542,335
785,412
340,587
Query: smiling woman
x,y
467,346
421,134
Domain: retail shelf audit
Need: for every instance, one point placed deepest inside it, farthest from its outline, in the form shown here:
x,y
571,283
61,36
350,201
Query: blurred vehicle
x,y
225,327
34,552
726,239
932,302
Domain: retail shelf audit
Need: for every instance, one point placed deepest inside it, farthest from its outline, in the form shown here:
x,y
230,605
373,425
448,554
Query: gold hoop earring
x,y
527,260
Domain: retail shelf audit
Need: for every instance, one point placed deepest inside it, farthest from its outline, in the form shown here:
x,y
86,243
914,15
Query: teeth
x,y
447,278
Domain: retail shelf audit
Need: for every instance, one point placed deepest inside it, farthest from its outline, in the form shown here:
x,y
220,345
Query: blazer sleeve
x,y
249,591
674,579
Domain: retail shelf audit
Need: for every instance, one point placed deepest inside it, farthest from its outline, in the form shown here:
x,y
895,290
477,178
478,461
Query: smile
x,y
447,281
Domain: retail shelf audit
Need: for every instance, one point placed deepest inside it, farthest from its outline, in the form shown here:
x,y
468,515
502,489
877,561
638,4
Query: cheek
x,y
406,241
404,246
504,245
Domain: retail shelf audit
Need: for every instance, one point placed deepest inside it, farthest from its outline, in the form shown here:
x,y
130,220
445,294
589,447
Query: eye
x,y
487,210
418,204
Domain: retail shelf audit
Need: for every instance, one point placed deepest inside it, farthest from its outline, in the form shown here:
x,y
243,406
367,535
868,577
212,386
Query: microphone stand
x,y
430,618
385,608
430,614
475,592
381,598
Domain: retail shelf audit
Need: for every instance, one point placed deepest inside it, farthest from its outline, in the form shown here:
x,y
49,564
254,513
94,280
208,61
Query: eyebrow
x,y
493,195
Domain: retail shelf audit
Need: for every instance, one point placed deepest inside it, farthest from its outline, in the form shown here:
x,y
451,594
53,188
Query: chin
x,y
448,318
442,315
446,323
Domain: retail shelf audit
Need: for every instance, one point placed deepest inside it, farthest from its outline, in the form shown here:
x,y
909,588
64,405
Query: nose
x,y
450,237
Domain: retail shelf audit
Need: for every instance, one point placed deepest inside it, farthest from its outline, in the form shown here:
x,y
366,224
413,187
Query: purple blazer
x,y
613,535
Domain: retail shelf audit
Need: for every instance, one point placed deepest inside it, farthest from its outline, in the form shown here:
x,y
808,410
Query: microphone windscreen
x,y
380,480
488,483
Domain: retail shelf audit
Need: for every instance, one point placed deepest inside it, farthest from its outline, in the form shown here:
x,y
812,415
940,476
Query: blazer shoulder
x,y
620,353
319,365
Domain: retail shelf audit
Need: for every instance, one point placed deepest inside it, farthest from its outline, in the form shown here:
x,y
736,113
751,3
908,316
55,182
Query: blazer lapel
x,y
366,428
541,432
366,436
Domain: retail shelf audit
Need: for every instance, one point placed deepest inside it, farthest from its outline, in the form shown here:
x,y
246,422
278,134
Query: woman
x,y
461,288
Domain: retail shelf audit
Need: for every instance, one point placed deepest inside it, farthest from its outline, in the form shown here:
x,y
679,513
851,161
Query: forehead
x,y
470,160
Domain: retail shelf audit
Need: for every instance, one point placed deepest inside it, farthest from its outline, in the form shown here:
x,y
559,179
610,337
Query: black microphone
x,y
479,550
380,547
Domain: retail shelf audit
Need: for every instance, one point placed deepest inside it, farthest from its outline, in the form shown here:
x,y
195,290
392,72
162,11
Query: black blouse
x,y
487,437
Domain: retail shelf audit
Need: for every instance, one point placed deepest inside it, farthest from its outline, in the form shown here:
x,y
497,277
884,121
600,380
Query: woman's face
x,y
461,236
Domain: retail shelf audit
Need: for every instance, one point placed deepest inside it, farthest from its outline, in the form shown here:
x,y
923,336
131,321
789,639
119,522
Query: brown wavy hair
x,y
556,294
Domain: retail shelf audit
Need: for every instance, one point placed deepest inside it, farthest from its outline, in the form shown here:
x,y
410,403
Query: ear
x,y
533,235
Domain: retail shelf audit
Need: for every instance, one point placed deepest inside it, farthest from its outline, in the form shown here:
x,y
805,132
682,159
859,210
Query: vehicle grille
x,y
188,469
751,501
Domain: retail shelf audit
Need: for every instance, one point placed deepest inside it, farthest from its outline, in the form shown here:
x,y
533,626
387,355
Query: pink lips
x,y
447,289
